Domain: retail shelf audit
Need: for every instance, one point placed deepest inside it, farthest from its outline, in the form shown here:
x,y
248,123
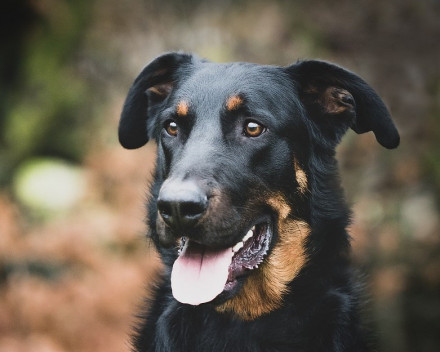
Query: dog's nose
x,y
181,204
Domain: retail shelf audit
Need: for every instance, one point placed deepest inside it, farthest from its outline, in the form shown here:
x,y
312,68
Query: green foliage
x,y
46,110
48,187
432,152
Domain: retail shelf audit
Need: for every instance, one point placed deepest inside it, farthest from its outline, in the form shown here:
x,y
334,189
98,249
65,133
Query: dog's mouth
x,y
201,273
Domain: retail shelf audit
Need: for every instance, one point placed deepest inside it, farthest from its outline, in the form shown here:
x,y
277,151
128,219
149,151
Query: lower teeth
x,y
237,247
182,244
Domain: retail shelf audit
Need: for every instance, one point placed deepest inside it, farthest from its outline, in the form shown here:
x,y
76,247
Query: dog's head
x,y
245,170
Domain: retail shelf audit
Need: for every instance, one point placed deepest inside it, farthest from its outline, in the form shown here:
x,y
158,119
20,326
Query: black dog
x,y
246,208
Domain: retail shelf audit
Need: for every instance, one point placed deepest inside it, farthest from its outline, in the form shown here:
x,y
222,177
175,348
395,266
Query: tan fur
x,y
182,108
334,100
161,89
264,289
234,102
301,177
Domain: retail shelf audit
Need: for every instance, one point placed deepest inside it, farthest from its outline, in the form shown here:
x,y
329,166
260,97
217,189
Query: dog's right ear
x,y
337,99
152,86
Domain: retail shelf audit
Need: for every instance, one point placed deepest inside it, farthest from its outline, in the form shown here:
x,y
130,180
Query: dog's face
x,y
232,205
224,148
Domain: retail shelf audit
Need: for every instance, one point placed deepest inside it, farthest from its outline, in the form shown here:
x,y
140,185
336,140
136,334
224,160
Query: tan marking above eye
x,y
234,102
182,108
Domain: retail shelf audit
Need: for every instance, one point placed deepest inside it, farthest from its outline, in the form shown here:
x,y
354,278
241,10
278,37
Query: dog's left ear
x,y
336,99
153,85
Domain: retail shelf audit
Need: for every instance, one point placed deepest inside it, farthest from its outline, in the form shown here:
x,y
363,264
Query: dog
x,y
246,209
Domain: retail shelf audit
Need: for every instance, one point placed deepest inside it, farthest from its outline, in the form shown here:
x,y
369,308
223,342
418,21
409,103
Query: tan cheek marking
x,y
264,289
182,108
301,178
234,103
280,206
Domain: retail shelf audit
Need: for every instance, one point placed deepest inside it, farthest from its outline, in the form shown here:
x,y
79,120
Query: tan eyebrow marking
x,y
182,108
234,102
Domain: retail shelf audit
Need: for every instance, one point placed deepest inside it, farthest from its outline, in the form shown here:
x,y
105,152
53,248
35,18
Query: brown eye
x,y
253,129
171,128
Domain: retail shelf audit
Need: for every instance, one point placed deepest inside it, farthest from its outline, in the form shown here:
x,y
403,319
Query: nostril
x,y
192,209
165,208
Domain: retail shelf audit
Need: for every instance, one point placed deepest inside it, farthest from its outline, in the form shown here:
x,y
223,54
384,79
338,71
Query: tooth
x,y
248,235
183,245
253,228
237,247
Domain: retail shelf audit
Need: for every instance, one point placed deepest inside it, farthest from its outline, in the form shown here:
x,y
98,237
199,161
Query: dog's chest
x,y
182,330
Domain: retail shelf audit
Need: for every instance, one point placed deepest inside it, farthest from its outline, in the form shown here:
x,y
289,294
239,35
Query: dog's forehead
x,y
215,84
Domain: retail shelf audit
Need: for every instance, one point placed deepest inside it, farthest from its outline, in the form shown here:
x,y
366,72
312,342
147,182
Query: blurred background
x,y
73,261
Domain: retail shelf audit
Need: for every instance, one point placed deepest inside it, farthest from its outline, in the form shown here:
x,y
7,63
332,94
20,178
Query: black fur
x,y
306,108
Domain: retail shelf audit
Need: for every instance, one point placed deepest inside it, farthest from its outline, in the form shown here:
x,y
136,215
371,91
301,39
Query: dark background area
x,y
73,262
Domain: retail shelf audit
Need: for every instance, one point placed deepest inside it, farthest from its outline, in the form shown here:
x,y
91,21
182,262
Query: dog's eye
x,y
171,128
253,129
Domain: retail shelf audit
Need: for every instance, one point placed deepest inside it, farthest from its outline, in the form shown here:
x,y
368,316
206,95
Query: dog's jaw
x,y
264,289
254,274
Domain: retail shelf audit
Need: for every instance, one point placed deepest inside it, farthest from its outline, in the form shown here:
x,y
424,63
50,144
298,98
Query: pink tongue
x,y
200,274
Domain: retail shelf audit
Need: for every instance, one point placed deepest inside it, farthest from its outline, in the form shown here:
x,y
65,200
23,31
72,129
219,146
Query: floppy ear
x,y
337,99
152,86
